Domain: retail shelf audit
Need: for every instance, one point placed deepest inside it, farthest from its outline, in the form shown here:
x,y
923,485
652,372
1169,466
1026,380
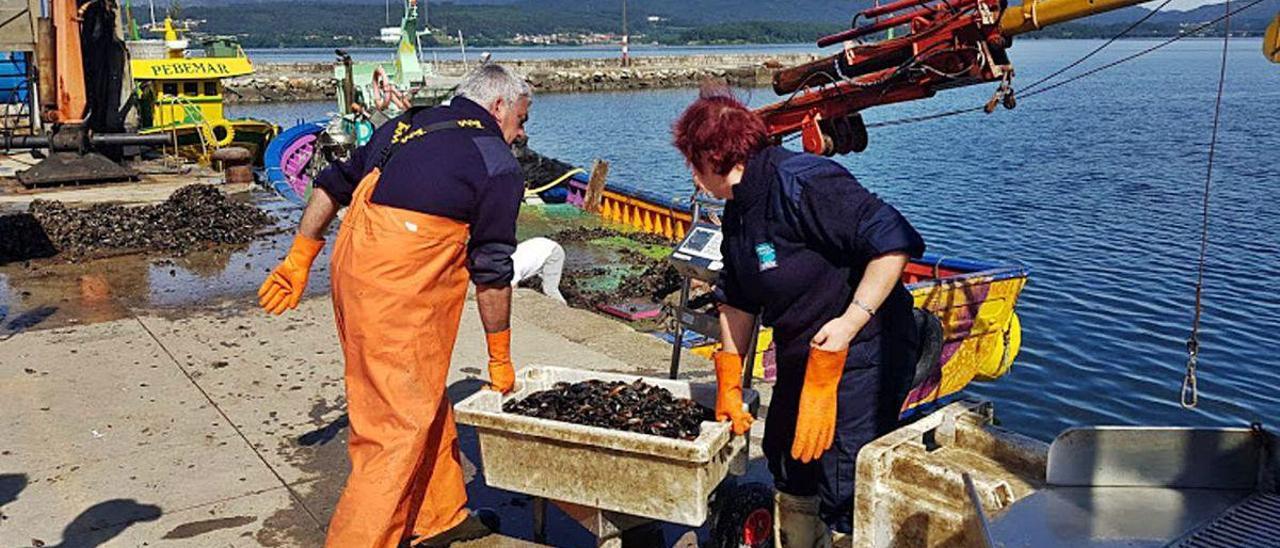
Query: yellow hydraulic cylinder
x,y
1271,40
1037,14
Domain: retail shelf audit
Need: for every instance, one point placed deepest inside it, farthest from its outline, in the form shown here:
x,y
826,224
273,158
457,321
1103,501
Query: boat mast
x,y
463,45
132,25
426,28
626,55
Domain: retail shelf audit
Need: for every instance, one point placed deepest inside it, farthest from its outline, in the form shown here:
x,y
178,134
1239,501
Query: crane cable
x,y
1099,49
1037,83
1226,16
1190,395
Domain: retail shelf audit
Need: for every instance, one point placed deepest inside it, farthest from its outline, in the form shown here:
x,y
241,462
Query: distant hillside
x,y
712,11
1252,21
258,23
1261,12
704,12
692,11
494,22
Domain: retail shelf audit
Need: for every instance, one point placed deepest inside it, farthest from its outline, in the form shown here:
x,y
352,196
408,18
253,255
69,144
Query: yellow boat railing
x,y
644,216
194,115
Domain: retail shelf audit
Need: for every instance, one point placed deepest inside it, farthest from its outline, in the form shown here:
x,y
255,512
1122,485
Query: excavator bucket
x,y
71,168
72,159
1271,40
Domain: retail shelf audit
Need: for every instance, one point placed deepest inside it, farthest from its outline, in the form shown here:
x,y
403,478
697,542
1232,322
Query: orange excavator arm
x,y
69,100
75,150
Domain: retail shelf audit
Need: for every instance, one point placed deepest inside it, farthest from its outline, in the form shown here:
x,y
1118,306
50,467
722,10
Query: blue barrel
x,y
14,82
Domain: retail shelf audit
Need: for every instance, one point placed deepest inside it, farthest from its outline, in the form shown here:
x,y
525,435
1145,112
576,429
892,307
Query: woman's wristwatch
x,y
865,308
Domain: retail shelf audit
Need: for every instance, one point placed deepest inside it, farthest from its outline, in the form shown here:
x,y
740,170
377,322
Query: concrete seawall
x,y
285,82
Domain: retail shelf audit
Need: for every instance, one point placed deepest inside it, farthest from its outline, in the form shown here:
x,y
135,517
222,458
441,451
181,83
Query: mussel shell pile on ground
x,y
632,407
193,217
651,279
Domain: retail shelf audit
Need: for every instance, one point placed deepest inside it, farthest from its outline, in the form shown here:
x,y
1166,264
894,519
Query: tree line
x,y
313,24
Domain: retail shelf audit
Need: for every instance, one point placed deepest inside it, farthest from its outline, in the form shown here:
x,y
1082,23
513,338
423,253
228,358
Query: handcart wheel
x,y
745,518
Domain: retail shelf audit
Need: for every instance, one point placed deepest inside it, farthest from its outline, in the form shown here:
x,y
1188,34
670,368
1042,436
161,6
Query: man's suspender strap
x,y
405,132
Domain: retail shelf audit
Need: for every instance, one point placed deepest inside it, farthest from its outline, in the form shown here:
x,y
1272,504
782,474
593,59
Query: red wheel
x,y
743,517
757,529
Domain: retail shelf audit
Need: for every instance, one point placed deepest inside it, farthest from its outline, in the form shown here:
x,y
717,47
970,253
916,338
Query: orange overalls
x,y
399,281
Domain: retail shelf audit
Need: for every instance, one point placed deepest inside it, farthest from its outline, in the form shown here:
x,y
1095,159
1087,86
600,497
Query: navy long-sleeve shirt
x,y
466,175
798,234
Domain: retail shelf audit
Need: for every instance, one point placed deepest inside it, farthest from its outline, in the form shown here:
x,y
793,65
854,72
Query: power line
x,y
924,118
1145,51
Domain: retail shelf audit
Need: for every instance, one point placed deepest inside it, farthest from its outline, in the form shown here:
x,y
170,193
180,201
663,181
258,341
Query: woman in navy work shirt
x,y
822,259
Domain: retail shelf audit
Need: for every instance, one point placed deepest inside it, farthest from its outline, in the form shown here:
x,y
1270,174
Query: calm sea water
x,y
1096,186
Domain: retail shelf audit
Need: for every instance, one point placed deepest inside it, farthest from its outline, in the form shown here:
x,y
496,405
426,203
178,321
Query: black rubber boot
x,y
479,524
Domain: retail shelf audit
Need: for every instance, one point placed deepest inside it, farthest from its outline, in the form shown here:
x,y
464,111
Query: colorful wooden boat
x,y
974,300
291,161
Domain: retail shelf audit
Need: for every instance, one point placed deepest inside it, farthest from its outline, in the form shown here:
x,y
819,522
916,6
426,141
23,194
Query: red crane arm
x,y
949,43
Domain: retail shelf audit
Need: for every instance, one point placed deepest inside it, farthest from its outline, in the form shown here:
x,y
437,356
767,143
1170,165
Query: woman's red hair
x,y
718,132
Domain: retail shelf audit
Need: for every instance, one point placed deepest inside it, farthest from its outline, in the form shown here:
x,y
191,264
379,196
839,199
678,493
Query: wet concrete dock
x,y
229,423
148,402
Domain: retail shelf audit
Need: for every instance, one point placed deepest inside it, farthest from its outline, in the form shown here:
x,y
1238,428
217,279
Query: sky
x,y
1184,5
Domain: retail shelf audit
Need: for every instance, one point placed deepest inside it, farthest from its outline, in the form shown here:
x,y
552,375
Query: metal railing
x,y
193,115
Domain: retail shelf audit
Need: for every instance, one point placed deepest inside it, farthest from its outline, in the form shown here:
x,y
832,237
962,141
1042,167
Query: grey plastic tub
x,y
638,474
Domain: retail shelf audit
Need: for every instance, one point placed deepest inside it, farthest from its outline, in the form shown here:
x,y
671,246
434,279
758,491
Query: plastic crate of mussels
x,y
637,455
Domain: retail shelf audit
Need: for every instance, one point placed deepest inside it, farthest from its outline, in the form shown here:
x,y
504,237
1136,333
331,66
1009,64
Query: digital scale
x,y
698,257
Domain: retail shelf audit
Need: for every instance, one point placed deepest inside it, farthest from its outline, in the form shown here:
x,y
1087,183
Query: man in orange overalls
x,y
433,199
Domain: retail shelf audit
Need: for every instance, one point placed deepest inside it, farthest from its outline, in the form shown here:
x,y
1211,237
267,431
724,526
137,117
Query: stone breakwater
x,y
284,82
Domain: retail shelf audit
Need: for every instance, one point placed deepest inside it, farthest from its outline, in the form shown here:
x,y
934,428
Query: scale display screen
x,y
698,256
702,242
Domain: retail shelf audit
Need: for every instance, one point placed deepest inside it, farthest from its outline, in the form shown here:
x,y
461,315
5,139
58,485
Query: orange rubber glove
x,y
816,419
729,392
283,288
502,375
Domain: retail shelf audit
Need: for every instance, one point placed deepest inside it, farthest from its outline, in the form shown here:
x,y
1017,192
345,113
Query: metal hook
x,y
1190,396
1003,95
1190,391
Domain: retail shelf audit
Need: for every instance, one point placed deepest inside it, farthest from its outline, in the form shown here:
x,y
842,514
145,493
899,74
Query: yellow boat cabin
x,y
183,96
182,91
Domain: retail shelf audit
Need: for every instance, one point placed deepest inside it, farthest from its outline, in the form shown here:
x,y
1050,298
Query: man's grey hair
x,y
490,82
